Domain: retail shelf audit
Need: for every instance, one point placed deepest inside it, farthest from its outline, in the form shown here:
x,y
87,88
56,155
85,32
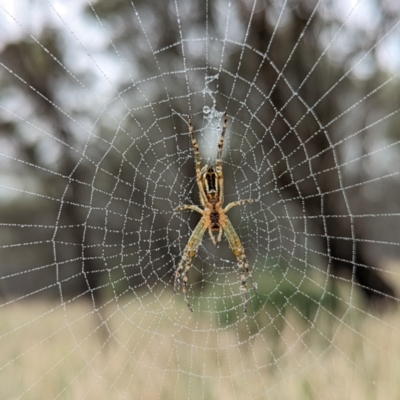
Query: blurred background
x,y
95,156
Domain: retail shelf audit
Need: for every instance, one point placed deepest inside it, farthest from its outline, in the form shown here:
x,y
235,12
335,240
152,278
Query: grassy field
x,y
154,349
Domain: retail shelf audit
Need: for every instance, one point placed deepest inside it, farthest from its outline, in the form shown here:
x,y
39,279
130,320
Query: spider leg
x,y
219,161
197,157
181,273
237,203
238,250
191,207
221,141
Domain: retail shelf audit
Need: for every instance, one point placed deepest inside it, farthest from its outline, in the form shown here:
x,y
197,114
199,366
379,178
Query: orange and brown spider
x,y
210,181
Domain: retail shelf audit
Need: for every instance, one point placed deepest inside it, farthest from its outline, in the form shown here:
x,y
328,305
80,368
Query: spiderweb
x,y
96,155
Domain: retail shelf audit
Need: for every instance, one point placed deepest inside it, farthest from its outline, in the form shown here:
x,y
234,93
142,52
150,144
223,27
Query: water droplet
x,y
206,110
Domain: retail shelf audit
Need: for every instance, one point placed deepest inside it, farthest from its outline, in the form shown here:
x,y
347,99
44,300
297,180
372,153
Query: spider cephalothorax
x,y
210,181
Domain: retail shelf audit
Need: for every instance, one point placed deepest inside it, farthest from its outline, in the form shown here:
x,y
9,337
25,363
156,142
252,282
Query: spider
x,y
210,180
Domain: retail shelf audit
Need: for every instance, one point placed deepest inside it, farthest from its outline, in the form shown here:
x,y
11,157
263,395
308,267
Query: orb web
x,y
96,155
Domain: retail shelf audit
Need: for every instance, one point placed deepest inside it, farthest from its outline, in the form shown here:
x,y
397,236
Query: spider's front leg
x,y
181,273
244,268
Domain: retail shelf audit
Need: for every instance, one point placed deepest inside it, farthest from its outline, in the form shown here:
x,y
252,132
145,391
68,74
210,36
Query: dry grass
x,y
156,350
